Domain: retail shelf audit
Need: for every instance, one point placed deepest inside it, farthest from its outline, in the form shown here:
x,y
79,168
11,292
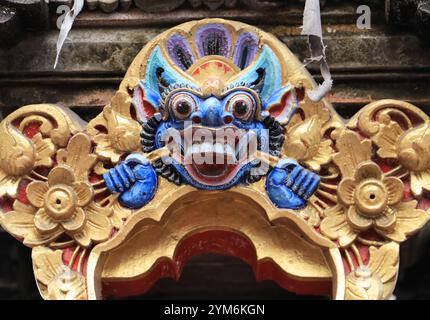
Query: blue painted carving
x,y
289,185
258,103
135,179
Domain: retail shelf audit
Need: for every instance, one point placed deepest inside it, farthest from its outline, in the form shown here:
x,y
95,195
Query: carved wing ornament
x,y
107,205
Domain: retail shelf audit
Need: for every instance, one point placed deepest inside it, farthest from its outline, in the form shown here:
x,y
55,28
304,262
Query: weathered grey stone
x,y
34,13
10,26
108,5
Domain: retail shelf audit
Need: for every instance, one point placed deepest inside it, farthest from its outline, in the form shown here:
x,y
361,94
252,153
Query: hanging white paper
x,y
312,28
66,26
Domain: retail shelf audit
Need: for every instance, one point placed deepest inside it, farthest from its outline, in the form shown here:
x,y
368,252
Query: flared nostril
x,y
196,119
228,118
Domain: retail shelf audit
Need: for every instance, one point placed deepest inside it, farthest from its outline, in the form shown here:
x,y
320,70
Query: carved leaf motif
x,y
304,143
311,214
304,139
100,169
8,184
352,151
408,221
336,227
122,132
47,264
97,227
58,281
362,284
322,157
355,292
376,280
318,109
420,181
383,262
44,150
20,223
414,148
120,214
17,158
78,156
121,103
105,149
69,285
386,139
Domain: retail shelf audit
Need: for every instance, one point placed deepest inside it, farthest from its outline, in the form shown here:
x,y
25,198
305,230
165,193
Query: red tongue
x,y
211,170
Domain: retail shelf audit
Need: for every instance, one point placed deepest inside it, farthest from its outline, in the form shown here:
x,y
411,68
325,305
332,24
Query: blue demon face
x,y
214,136
221,110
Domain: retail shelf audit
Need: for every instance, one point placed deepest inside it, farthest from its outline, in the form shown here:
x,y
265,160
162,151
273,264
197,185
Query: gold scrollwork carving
x,y
115,132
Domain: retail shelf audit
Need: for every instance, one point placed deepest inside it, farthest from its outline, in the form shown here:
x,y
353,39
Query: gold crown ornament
x,y
318,205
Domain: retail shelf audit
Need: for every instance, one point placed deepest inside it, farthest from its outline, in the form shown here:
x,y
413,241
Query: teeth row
x,y
207,147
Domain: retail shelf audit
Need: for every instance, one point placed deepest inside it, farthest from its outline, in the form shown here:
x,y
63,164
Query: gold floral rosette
x,y
373,195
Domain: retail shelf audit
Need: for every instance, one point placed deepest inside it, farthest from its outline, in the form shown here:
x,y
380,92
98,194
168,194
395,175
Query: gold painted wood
x,y
349,233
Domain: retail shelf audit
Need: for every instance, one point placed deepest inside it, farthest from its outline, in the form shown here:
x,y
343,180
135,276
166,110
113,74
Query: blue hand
x,y
135,179
289,185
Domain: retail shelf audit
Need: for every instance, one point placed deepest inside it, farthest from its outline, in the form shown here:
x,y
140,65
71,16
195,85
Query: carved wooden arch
x,y
373,194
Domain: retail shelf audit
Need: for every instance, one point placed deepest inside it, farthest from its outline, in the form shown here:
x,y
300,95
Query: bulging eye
x,y
182,105
242,106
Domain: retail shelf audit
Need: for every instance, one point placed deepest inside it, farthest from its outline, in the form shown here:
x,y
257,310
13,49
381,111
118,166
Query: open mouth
x,y
212,156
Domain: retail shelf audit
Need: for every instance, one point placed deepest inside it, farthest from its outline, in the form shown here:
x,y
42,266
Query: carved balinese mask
x,y
211,144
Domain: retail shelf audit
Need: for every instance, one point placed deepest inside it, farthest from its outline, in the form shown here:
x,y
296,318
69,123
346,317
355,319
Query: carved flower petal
x,y
17,223
419,181
395,235
35,238
409,220
99,225
395,190
44,223
368,170
335,226
36,193
83,237
21,207
346,190
61,175
76,222
357,221
84,193
386,221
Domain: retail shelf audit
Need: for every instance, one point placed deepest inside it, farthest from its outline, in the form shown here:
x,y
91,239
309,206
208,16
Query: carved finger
x,y
117,181
124,175
109,182
292,176
299,181
305,184
312,188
